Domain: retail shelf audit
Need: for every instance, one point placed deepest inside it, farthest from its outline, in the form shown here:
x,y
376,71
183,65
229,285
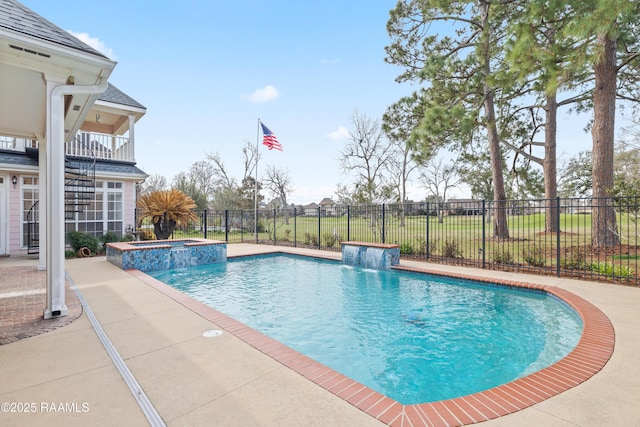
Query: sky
x,y
208,70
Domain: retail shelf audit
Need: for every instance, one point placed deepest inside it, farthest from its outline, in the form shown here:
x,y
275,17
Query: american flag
x,y
269,139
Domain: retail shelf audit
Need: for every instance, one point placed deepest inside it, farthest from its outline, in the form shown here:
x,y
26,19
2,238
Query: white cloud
x,y
340,134
95,43
266,94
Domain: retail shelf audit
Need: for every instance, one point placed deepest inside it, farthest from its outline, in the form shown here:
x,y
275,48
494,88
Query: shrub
x,y
69,254
310,239
534,256
78,239
422,245
128,237
574,260
610,269
330,239
108,237
407,249
502,257
287,234
451,250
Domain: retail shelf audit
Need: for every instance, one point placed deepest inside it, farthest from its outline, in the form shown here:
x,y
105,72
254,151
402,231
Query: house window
x,y
114,207
30,211
103,212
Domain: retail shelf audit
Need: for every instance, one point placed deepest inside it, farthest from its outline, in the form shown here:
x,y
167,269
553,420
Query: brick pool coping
x,y
592,352
142,245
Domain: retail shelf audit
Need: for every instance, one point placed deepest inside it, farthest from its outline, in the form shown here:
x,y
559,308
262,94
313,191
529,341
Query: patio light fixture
x,y
14,181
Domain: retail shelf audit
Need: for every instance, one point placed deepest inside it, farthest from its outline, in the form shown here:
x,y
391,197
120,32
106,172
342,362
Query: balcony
x,y
85,144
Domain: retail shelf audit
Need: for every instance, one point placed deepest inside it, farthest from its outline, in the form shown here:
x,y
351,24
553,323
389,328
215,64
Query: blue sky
x,y
207,70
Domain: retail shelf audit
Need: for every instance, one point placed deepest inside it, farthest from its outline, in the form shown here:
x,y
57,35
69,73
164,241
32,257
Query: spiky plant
x,y
166,209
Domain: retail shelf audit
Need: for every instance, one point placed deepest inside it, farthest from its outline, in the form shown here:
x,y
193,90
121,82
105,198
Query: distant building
x,y
328,207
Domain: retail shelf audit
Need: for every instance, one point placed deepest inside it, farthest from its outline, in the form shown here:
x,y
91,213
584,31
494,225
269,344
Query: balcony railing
x,y
86,144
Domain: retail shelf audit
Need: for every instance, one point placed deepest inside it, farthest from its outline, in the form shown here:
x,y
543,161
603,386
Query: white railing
x,y
85,144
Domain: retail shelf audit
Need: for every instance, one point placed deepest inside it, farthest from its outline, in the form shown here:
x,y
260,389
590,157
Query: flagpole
x,y
255,210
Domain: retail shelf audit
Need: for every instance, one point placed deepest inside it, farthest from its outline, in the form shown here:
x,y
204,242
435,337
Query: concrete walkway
x,y
66,377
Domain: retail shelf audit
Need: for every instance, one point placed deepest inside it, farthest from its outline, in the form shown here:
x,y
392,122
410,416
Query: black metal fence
x,y
554,237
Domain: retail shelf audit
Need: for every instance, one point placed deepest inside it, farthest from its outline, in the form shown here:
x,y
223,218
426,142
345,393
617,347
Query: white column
x,y
131,151
42,203
54,209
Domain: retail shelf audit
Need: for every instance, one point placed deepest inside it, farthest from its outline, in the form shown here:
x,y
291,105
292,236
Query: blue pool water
x,y
415,338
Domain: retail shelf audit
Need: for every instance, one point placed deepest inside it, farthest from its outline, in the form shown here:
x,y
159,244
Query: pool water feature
x,y
379,256
413,337
166,254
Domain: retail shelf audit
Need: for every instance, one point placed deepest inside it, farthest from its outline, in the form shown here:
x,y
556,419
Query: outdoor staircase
x,y
79,185
79,190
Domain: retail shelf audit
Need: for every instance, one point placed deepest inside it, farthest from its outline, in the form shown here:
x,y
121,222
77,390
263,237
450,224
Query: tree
x,y
398,123
459,73
166,209
222,178
539,55
278,182
198,183
610,43
366,155
576,176
154,183
438,178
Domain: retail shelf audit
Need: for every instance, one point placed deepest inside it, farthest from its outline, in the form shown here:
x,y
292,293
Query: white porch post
x,y
54,209
42,203
131,153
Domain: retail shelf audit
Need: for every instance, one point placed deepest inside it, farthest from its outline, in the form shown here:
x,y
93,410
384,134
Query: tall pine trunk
x,y
604,230
500,226
549,166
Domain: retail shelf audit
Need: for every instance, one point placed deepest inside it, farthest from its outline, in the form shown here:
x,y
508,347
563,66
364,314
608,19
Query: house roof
x,y
11,159
19,18
327,201
116,96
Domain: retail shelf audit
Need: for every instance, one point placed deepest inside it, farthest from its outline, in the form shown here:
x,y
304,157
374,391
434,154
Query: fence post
x,y
295,227
204,223
348,223
557,236
426,242
382,230
319,227
274,226
226,225
484,234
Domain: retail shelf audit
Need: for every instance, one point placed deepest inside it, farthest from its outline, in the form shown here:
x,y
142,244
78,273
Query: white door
x,y
3,216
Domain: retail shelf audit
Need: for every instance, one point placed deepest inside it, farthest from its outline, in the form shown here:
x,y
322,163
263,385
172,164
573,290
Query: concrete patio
x,y
66,377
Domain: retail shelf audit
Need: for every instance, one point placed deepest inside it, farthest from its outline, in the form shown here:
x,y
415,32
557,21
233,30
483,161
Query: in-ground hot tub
x,y
154,255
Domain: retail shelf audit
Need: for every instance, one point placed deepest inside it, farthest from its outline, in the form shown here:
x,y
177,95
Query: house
x,y
328,207
276,204
67,157
311,209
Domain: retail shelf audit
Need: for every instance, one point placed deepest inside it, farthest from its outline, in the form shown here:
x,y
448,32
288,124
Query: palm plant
x,y
166,209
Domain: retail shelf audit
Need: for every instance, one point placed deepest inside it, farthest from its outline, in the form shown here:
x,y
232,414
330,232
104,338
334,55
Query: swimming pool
x,y
413,337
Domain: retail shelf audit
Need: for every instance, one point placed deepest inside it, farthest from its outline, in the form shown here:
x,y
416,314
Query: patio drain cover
x,y
212,333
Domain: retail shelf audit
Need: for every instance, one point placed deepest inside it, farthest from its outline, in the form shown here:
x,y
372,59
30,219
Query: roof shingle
x,y
19,18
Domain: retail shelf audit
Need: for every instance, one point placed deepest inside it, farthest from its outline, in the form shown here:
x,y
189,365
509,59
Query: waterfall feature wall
x,y
180,257
165,254
377,256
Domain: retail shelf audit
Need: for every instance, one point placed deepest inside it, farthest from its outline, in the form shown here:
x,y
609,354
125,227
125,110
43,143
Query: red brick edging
x,y
589,356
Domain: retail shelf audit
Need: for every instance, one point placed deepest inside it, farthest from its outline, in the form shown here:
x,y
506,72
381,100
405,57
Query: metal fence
x,y
552,237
